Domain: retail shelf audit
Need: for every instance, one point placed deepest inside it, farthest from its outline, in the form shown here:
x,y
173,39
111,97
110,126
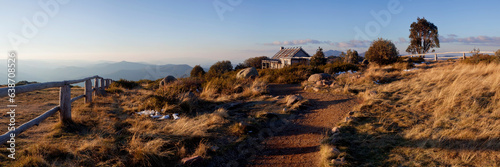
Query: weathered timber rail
x,y
65,100
436,57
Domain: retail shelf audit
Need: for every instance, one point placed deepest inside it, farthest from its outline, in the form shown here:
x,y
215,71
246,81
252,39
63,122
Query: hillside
x,y
444,114
41,71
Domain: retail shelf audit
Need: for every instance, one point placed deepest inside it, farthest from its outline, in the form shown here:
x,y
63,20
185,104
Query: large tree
x,y
497,53
318,58
424,36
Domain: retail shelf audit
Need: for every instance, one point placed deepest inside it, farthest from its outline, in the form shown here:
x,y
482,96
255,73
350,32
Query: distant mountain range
x,y
337,53
40,72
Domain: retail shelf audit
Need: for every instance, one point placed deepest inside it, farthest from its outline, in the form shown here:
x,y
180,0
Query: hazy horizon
x,y
203,32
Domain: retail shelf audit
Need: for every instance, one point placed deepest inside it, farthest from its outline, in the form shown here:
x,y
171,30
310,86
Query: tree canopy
x,y
197,71
382,52
255,62
220,67
424,36
497,53
352,56
318,58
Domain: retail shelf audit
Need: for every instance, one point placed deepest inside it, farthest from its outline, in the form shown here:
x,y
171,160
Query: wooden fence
x,y
65,99
436,57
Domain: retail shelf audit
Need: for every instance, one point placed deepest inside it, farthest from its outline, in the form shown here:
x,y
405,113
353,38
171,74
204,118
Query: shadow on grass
x,y
373,149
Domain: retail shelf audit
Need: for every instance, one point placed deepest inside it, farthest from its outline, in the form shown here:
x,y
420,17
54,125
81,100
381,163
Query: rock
x,y
305,87
192,161
332,85
319,83
347,119
335,151
319,77
338,161
167,80
291,99
247,73
351,113
335,129
316,89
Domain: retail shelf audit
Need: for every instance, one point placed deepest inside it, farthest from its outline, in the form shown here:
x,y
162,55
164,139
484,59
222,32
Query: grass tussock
x,y
443,116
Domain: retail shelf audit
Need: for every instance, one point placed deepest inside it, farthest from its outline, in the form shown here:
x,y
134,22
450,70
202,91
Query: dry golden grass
x,y
443,115
108,132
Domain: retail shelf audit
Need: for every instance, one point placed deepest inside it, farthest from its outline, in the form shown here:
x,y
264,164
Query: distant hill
x,y
337,53
114,70
332,53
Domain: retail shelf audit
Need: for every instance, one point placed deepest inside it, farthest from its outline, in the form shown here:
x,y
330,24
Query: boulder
x,y
167,80
335,129
319,77
291,99
192,161
247,73
339,161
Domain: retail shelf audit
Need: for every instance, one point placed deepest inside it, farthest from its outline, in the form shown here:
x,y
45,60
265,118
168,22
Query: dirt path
x,y
298,144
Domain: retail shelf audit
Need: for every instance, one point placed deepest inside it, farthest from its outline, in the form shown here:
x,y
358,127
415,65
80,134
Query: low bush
x,y
125,84
481,58
289,74
339,67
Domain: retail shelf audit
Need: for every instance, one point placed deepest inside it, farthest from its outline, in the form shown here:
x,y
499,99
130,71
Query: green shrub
x,y
339,67
351,56
197,71
417,59
318,58
382,52
289,74
125,84
219,68
113,89
481,58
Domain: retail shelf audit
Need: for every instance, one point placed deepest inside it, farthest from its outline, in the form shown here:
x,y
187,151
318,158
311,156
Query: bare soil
x,y
298,144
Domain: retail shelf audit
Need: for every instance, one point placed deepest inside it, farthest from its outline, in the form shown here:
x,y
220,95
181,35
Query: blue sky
x,y
205,31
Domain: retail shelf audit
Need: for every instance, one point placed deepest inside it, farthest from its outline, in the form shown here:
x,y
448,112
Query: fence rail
x,y
436,57
65,100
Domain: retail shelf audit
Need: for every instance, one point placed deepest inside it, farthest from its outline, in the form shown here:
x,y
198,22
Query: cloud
x,y
298,42
479,40
402,40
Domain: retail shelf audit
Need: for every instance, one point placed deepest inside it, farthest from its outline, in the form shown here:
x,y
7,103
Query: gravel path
x,y
298,144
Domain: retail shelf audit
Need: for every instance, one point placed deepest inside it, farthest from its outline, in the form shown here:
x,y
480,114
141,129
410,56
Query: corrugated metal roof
x,y
287,53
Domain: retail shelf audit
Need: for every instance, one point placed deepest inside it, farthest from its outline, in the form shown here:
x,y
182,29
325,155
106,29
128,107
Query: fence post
x,y
96,86
65,104
102,89
463,57
88,91
435,57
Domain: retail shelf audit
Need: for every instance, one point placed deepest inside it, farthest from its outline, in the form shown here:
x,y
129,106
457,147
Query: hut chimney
x,y
281,48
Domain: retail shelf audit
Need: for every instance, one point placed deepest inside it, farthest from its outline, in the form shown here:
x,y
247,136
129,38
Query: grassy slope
x,y
446,115
109,133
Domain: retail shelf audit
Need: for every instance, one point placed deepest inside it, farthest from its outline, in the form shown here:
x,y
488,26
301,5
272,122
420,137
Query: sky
x,y
206,31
